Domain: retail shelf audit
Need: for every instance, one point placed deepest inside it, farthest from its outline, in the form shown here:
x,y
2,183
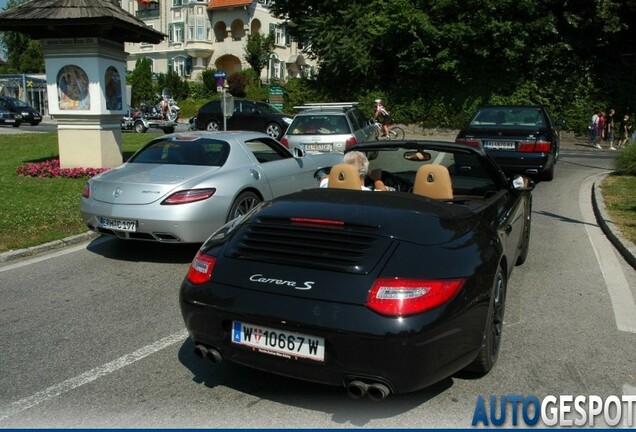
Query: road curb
x,y
47,247
611,231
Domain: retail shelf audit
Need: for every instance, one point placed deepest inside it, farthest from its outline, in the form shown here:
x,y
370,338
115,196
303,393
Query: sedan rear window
x,y
319,125
203,152
514,117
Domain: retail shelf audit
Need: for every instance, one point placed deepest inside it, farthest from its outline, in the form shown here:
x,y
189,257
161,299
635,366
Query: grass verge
x,y
38,210
619,194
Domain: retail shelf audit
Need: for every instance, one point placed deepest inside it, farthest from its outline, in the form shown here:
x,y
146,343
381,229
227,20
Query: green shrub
x,y
625,162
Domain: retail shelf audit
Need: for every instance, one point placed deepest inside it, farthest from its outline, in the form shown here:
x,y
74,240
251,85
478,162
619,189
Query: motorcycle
x,y
165,109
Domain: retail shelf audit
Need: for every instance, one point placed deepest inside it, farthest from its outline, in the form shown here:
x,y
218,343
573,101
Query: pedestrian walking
x,y
609,128
624,129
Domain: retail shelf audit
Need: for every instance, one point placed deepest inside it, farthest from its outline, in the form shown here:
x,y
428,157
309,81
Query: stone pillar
x,y
86,86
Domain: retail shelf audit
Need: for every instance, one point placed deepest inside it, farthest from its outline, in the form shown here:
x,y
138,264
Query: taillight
x,y
469,142
401,297
200,270
86,192
188,196
540,146
351,141
284,141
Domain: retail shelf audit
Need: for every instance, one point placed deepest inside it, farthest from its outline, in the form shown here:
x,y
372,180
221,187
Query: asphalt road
x,y
92,336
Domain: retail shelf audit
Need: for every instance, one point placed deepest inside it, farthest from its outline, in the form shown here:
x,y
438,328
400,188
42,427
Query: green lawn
x,y
39,210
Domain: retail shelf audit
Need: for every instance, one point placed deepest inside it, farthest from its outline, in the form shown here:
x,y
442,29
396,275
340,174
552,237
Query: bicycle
x,y
395,132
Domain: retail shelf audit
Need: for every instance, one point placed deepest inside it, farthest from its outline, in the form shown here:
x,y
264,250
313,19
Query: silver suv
x,y
329,127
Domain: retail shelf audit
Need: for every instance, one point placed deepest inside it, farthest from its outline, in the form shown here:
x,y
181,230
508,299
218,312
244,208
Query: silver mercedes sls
x,y
180,188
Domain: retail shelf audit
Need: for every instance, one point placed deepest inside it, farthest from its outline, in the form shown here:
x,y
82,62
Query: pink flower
x,y
51,168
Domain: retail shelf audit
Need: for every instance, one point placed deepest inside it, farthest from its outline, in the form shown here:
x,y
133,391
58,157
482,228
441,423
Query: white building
x,y
212,34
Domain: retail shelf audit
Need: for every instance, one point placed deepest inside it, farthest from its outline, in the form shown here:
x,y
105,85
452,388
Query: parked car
x,y
8,117
27,112
329,127
382,292
522,139
179,188
248,115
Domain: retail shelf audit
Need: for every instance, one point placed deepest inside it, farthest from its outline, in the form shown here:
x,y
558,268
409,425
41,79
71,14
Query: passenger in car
x,y
361,163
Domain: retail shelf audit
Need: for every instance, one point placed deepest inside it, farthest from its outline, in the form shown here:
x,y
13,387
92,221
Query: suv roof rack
x,y
326,105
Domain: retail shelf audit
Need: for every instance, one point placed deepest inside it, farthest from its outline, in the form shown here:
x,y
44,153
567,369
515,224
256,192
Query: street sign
x,y
276,96
219,75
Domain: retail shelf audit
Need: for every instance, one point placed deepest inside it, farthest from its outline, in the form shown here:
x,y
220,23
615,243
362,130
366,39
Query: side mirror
x,y
560,123
521,183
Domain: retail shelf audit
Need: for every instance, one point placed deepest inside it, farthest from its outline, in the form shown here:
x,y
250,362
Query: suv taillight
x,y
351,141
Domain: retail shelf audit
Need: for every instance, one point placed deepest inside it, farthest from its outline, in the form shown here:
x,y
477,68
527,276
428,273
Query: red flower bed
x,y
51,168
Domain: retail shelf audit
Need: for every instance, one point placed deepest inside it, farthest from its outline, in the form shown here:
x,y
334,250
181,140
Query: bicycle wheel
x,y
396,133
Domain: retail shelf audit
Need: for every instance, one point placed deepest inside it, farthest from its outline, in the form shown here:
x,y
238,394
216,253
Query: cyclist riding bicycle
x,y
383,116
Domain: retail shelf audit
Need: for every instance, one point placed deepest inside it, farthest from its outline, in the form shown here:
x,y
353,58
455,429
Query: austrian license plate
x,y
319,147
118,224
278,342
499,145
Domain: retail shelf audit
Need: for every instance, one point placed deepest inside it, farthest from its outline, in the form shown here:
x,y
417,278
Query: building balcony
x,y
148,13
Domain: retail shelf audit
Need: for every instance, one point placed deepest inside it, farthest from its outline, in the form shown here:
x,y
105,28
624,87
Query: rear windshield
x,y
194,151
513,117
319,124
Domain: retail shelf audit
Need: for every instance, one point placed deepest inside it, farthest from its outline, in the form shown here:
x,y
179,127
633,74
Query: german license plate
x,y
499,145
278,342
118,224
319,147
9,121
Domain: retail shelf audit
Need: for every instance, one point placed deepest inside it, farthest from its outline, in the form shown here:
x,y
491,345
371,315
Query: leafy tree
x,y
24,55
257,51
237,83
209,80
141,82
438,58
177,87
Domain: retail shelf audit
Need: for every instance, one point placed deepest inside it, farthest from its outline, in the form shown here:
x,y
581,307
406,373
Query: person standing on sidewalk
x,y
593,127
600,130
609,128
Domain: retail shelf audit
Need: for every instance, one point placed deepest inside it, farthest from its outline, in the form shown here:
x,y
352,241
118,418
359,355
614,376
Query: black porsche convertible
x,y
379,292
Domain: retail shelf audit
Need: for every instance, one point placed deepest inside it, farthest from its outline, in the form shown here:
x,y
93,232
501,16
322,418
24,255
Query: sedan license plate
x,y
278,342
118,224
499,145
319,147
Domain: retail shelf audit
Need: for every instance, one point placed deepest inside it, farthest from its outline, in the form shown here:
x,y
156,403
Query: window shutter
x,y
272,28
171,32
171,64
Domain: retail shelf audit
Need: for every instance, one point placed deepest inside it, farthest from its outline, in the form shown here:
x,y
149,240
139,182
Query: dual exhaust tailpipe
x,y
212,354
356,389
376,391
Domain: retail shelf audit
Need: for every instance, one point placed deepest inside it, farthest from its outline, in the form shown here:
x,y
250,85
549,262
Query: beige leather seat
x,y
433,181
344,176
